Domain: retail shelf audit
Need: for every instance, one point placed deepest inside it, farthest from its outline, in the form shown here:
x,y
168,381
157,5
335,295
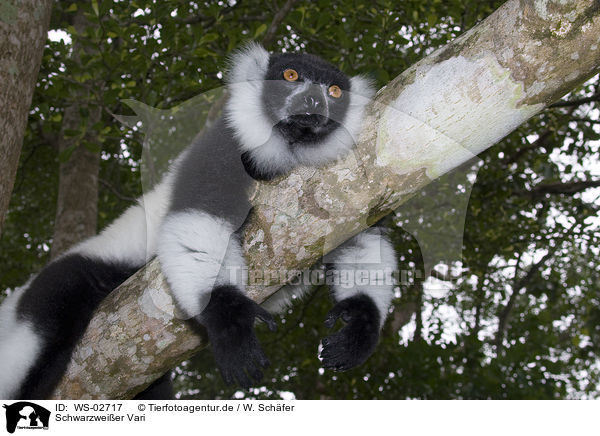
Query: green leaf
x,y
432,19
95,7
65,155
71,132
260,30
92,146
209,37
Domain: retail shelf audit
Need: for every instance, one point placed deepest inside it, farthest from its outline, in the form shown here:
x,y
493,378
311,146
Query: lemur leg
x,y
41,322
201,257
49,316
360,278
284,297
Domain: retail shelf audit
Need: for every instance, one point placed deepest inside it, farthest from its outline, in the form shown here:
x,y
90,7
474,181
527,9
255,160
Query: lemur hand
x,y
354,343
229,321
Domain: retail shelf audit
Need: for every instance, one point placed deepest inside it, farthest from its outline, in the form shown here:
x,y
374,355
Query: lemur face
x,y
289,109
305,97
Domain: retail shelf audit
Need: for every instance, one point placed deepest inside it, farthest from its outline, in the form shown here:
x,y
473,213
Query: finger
x,y
332,360
331,364
255,352
332,353
331,340
346,317
335,313
345,366
258,355
242,378
227,376
255,373
266,317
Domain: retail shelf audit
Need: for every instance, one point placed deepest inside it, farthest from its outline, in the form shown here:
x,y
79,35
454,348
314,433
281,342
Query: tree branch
x,y
451,105
578,102
539,142
443,277
566,188
271,32
518,285
114,190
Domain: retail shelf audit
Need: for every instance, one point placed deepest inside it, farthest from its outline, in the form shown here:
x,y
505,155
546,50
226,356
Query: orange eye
x,y
290,75
335,91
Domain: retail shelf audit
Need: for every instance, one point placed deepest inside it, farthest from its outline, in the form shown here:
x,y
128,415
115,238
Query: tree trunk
x,y
77,202
23,33
440,112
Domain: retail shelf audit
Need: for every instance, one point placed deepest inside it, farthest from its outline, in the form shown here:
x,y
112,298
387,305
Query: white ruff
x,y
19,346
197,252
244,111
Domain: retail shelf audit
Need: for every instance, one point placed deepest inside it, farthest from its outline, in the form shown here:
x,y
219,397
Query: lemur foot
x,y
229,321
356,341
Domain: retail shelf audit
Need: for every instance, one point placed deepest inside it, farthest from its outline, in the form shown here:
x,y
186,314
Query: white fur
x,y
284,297
254,130
132,238
245,83
365,265
19,346
197,251
368,253
248,64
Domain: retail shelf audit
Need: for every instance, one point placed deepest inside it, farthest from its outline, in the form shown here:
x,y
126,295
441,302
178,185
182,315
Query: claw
x,y
266,317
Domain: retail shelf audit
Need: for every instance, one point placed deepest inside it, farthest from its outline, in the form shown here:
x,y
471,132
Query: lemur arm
x,y
359,274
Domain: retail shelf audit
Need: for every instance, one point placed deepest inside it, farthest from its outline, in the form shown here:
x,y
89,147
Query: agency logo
x,y
26,415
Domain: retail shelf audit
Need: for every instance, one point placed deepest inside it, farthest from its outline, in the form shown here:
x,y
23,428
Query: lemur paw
x,y
229,321
356,341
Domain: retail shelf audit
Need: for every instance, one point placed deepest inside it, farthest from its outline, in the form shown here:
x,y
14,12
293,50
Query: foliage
x,y
526,205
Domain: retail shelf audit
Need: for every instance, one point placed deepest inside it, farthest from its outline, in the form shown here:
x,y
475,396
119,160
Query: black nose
x,y
312,103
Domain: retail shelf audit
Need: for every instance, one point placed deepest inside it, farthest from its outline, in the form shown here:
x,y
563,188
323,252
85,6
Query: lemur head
x,y
292,109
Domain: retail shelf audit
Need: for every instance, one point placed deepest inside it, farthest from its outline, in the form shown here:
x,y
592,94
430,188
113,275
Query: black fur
x,y
308,67
256,171
212,178
229,321
59,302
306,124
160,389
356,341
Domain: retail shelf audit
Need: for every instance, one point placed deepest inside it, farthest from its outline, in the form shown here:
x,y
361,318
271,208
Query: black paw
x,y
229,321
356,341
